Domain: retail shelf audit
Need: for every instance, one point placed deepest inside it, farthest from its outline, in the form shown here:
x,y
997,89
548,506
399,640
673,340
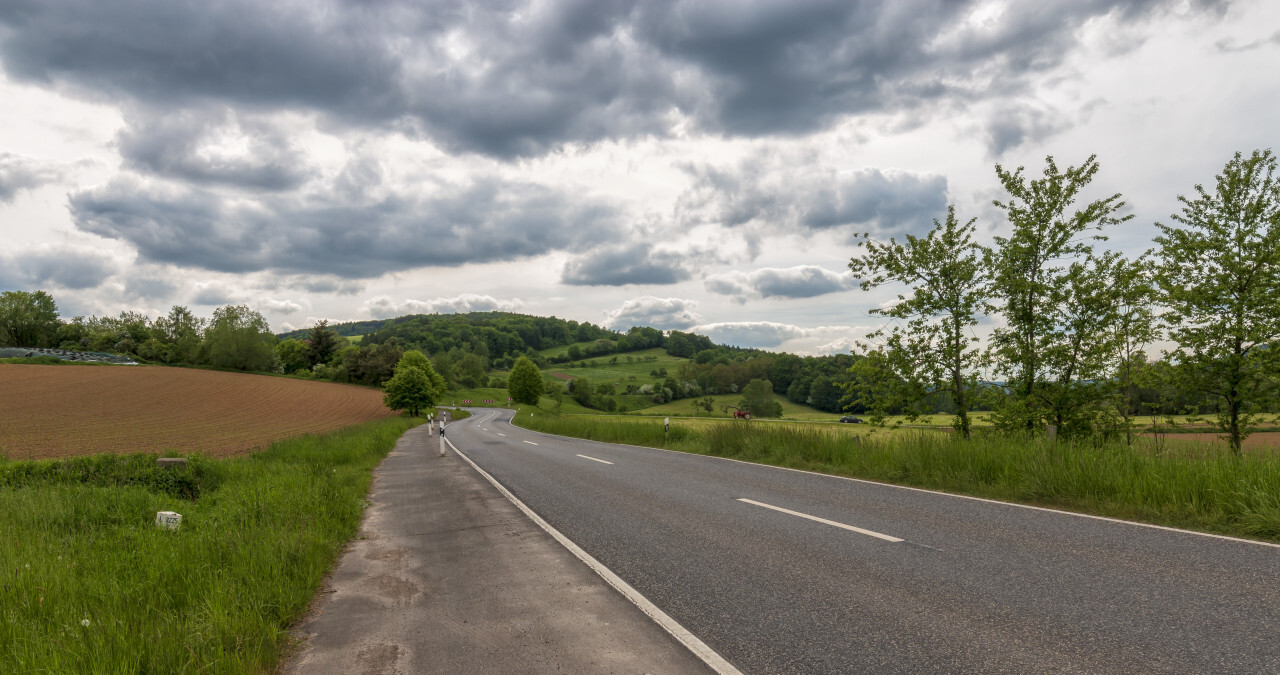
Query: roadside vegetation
x,y
88,583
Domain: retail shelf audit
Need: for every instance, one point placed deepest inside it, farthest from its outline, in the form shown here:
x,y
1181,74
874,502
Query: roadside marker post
x,y
442,440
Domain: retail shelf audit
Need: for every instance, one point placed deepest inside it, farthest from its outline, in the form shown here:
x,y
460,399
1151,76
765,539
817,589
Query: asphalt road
x,y
924,582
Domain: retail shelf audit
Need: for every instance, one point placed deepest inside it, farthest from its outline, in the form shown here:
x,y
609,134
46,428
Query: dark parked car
x,y
850,419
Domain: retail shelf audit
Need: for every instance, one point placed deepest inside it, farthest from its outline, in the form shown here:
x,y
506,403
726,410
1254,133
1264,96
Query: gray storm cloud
x,y
518,79
482,221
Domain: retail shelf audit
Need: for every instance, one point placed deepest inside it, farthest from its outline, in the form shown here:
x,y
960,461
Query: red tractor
x,y
739,413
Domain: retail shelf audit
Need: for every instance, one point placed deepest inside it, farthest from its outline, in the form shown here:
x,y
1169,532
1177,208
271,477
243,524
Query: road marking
x,y
824,521
938,493
501,434
591,458
689,640
530,442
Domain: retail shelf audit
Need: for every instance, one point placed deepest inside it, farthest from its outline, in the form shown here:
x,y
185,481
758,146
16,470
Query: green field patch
x,y
88,583
685,408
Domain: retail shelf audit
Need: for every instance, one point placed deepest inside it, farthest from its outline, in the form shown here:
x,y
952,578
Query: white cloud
x,y
801,281
281,306
661,313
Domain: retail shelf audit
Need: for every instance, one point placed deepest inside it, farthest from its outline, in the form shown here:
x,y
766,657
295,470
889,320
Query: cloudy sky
x,y
690,165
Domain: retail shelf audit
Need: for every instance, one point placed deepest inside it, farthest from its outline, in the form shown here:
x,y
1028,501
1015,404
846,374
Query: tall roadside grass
x,y
89,584
1208,491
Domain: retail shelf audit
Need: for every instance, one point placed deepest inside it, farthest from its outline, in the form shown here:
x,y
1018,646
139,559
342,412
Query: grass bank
x,y
1203,490
89,584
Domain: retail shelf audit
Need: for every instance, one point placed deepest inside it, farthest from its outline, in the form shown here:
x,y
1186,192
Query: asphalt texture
x,y
974,586
447,576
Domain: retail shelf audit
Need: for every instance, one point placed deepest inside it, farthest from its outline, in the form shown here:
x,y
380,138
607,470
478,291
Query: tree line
x,y
1073,322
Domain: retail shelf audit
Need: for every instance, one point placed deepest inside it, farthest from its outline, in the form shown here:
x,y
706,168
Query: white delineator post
x,y
442,440
430,421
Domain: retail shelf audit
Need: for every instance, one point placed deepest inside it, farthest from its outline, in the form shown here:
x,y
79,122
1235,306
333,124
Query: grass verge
x,y
89,584
1207,491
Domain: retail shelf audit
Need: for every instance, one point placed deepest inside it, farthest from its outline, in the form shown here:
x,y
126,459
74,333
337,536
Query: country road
x,y
784,571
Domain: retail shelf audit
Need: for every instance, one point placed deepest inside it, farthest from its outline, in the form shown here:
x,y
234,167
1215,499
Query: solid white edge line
x,y
1046,509
594,459
824,521
680,633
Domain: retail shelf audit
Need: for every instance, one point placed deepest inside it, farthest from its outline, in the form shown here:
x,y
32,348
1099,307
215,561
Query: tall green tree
x,y
239,337
322,342
933,347
1037,274
1219,275
410,390
416,359
28,319
525,383
757,397
182,329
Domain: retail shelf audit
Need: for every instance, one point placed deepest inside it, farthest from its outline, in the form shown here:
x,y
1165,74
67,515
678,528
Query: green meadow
x,y
88,583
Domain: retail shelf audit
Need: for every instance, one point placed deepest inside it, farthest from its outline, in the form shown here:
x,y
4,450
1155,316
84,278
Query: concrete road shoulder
x,y
447,576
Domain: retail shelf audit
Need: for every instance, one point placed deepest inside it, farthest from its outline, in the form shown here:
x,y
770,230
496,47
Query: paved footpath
x,y
447,576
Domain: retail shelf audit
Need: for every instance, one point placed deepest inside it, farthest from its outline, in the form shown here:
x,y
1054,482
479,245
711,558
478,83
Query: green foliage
x,y
757,397
322,342
238,337
409,390
936,349
497,337
415,386
525,382
293,356
27,319
370,364
1219,274
582,392
1045,278
199,476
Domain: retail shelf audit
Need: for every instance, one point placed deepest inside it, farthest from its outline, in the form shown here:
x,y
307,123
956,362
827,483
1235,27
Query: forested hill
x,y
349,329
498,337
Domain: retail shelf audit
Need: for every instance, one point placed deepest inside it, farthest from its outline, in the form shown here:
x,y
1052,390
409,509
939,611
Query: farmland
x,y
59,411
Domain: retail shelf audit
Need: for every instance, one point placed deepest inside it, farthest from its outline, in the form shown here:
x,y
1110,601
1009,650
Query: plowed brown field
x,y
59,411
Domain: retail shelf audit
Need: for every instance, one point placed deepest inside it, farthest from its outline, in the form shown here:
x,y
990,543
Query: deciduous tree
x,y
1219,275
525,382
28,319
239,337
757,397
933,349
1032,282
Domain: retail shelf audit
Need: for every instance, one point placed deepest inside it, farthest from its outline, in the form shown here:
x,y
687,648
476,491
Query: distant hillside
x,y
499,337
344,329
641,368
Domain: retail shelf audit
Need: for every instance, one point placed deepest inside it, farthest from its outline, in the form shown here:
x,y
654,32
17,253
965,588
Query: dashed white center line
x,y
824,521
501,434
595,460
530,442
